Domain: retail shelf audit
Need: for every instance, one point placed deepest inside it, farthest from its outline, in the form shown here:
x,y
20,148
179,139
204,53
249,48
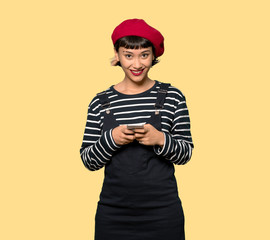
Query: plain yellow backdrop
x,y
55,56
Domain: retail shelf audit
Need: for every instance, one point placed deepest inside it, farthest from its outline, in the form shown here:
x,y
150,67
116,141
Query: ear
x,y
116,55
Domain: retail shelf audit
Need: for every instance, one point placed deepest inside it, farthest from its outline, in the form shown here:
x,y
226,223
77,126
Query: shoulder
x,y
108,90
174,93
95,103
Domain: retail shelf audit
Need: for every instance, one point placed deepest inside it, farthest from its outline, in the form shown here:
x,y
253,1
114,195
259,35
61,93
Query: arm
x,y
97,148
178,144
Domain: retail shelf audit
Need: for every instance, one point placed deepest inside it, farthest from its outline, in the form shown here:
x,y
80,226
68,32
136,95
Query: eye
x,y
145,55
128,55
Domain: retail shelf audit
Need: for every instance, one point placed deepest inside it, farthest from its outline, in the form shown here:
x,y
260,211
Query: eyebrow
x,y
132,52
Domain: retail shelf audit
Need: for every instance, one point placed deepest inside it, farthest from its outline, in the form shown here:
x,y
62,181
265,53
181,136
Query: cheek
x,y
148,63
124,62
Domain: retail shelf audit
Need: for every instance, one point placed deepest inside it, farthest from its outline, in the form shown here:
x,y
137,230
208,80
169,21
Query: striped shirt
x,y
98,146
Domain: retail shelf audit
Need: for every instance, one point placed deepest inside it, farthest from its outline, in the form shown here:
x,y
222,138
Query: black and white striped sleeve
x,y
97,147
178,143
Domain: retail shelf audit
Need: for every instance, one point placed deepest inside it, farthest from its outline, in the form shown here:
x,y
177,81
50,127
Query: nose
x,y
137,63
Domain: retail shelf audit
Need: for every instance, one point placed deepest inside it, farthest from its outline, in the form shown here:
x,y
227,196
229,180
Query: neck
x,y
132,87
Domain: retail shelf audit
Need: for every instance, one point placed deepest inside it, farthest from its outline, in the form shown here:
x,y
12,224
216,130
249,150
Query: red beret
x,y
138,27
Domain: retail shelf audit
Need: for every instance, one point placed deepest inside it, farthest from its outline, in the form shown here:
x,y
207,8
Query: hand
x,y
149,135
122,135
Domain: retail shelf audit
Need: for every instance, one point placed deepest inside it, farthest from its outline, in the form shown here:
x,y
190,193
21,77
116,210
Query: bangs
x,y
132,42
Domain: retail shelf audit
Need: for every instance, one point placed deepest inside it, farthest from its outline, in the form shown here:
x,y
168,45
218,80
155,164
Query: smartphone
x,y
133,126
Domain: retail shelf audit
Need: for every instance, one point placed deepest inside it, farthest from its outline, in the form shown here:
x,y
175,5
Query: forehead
x,y
140,50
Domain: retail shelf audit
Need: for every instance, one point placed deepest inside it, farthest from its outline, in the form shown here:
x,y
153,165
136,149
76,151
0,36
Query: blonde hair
x,y
113,61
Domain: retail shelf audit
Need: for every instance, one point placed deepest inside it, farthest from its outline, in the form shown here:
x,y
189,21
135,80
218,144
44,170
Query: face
x,y
135,62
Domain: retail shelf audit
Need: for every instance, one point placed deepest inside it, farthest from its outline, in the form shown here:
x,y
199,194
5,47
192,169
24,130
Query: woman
x,y
138,129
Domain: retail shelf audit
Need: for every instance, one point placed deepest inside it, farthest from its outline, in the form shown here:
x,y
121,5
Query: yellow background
x,y
54,59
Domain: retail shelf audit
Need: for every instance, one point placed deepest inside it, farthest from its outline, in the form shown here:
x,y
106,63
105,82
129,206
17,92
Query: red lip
x,y
136,74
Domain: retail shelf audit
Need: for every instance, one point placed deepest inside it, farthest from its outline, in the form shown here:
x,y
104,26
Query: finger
x,y
128,131
129,137
149,127
139,135
137,130
125,130
142,131
142,142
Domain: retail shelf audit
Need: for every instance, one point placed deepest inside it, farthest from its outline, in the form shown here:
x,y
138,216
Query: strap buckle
x,y
161,90
106,105
157,105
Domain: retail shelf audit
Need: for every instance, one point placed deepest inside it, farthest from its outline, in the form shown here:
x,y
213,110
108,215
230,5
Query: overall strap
x,y
161,95
104,100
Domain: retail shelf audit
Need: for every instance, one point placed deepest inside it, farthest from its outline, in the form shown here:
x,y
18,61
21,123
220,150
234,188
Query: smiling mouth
x,y
136,73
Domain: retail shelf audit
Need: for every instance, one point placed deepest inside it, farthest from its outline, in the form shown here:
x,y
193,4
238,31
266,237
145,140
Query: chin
x,y
136,79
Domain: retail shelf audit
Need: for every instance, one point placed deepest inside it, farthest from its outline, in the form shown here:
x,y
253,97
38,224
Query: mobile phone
x,y
133,126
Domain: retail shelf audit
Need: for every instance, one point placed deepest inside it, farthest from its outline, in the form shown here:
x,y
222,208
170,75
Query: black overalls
x,y
139,198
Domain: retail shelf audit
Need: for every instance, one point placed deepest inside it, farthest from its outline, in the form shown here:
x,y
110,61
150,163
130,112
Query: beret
x,y
138,27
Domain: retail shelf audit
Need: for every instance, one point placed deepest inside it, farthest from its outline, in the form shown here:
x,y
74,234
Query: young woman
x,y
138,130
